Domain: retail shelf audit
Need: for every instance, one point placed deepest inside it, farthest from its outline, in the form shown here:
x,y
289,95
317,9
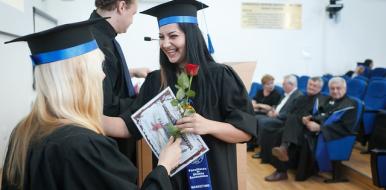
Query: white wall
x,y
359,34
16,88
272,49
278,52
321,46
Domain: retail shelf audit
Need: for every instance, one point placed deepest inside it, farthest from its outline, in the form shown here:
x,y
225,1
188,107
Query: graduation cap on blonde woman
x,y
178,11
61,42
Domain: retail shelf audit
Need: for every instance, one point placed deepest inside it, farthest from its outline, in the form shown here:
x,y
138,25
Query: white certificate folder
x,y
152,119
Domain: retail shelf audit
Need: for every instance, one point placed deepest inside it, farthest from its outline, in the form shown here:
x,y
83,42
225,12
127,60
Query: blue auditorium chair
x,y
375,100
325,90
330,154
378,72
302,83
377,145
377,78
327,76
378,167
280,90
356,88
255,86
345,77
361,77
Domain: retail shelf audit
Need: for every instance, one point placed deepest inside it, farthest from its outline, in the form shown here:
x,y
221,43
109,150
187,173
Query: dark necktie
x,y
125,69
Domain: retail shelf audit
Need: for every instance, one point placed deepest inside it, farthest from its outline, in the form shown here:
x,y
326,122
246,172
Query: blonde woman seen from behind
x,y
62,138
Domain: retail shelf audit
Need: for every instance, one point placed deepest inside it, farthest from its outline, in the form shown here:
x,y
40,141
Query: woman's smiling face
x,y
172,43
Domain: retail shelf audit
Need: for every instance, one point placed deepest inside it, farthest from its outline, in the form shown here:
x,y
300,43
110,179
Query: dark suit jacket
x,y
289,104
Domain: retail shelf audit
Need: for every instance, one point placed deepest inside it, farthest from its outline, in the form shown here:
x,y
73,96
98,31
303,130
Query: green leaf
x,y
173,130
174,102
180,94
184,102
178,87
190,93
183,81
189,112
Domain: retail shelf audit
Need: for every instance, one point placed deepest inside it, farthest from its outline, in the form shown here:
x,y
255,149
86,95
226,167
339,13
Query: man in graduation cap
x,y
60,144
119,93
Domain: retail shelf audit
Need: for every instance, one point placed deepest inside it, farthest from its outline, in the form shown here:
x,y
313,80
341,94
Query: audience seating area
x,y
370,95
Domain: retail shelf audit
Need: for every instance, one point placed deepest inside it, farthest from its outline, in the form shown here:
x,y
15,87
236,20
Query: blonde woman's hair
x,y
68,92
266,78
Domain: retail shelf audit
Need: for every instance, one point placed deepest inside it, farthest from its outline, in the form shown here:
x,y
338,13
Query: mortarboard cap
x,y
360,64
177,11
61,42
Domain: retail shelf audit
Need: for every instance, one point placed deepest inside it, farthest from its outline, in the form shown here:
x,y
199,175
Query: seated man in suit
x,y
300,137
304,106
276,117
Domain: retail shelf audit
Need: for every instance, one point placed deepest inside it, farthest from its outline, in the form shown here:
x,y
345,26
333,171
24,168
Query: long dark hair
x,y
196,53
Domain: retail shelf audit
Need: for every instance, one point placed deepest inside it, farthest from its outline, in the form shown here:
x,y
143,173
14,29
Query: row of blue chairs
x,y
369,97
255,87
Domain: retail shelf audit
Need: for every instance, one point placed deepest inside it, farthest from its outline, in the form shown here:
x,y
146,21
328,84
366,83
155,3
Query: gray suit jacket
x,y
289,104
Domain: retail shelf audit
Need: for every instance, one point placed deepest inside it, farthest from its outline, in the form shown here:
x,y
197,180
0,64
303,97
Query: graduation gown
x,y
226,101
115,92
72,158
306,165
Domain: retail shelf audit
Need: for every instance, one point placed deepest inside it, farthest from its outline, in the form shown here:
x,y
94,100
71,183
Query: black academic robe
x,y
115,92
302,156
72,157
293,127
344,126
227,101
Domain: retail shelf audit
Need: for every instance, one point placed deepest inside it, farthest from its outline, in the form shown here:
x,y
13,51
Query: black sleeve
x,y
235,103
157,179
341,128
113,105
96,163
146,93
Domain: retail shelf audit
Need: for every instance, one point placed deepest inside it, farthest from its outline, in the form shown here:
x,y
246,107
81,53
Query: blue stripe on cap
x,y
177,19
63,54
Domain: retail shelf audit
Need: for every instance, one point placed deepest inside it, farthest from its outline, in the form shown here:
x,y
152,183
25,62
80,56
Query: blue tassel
x,y
210,45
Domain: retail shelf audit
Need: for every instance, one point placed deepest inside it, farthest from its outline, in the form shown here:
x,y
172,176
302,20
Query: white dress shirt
x,y
284,100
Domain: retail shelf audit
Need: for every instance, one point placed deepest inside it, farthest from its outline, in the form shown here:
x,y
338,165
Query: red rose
x,y
191,69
